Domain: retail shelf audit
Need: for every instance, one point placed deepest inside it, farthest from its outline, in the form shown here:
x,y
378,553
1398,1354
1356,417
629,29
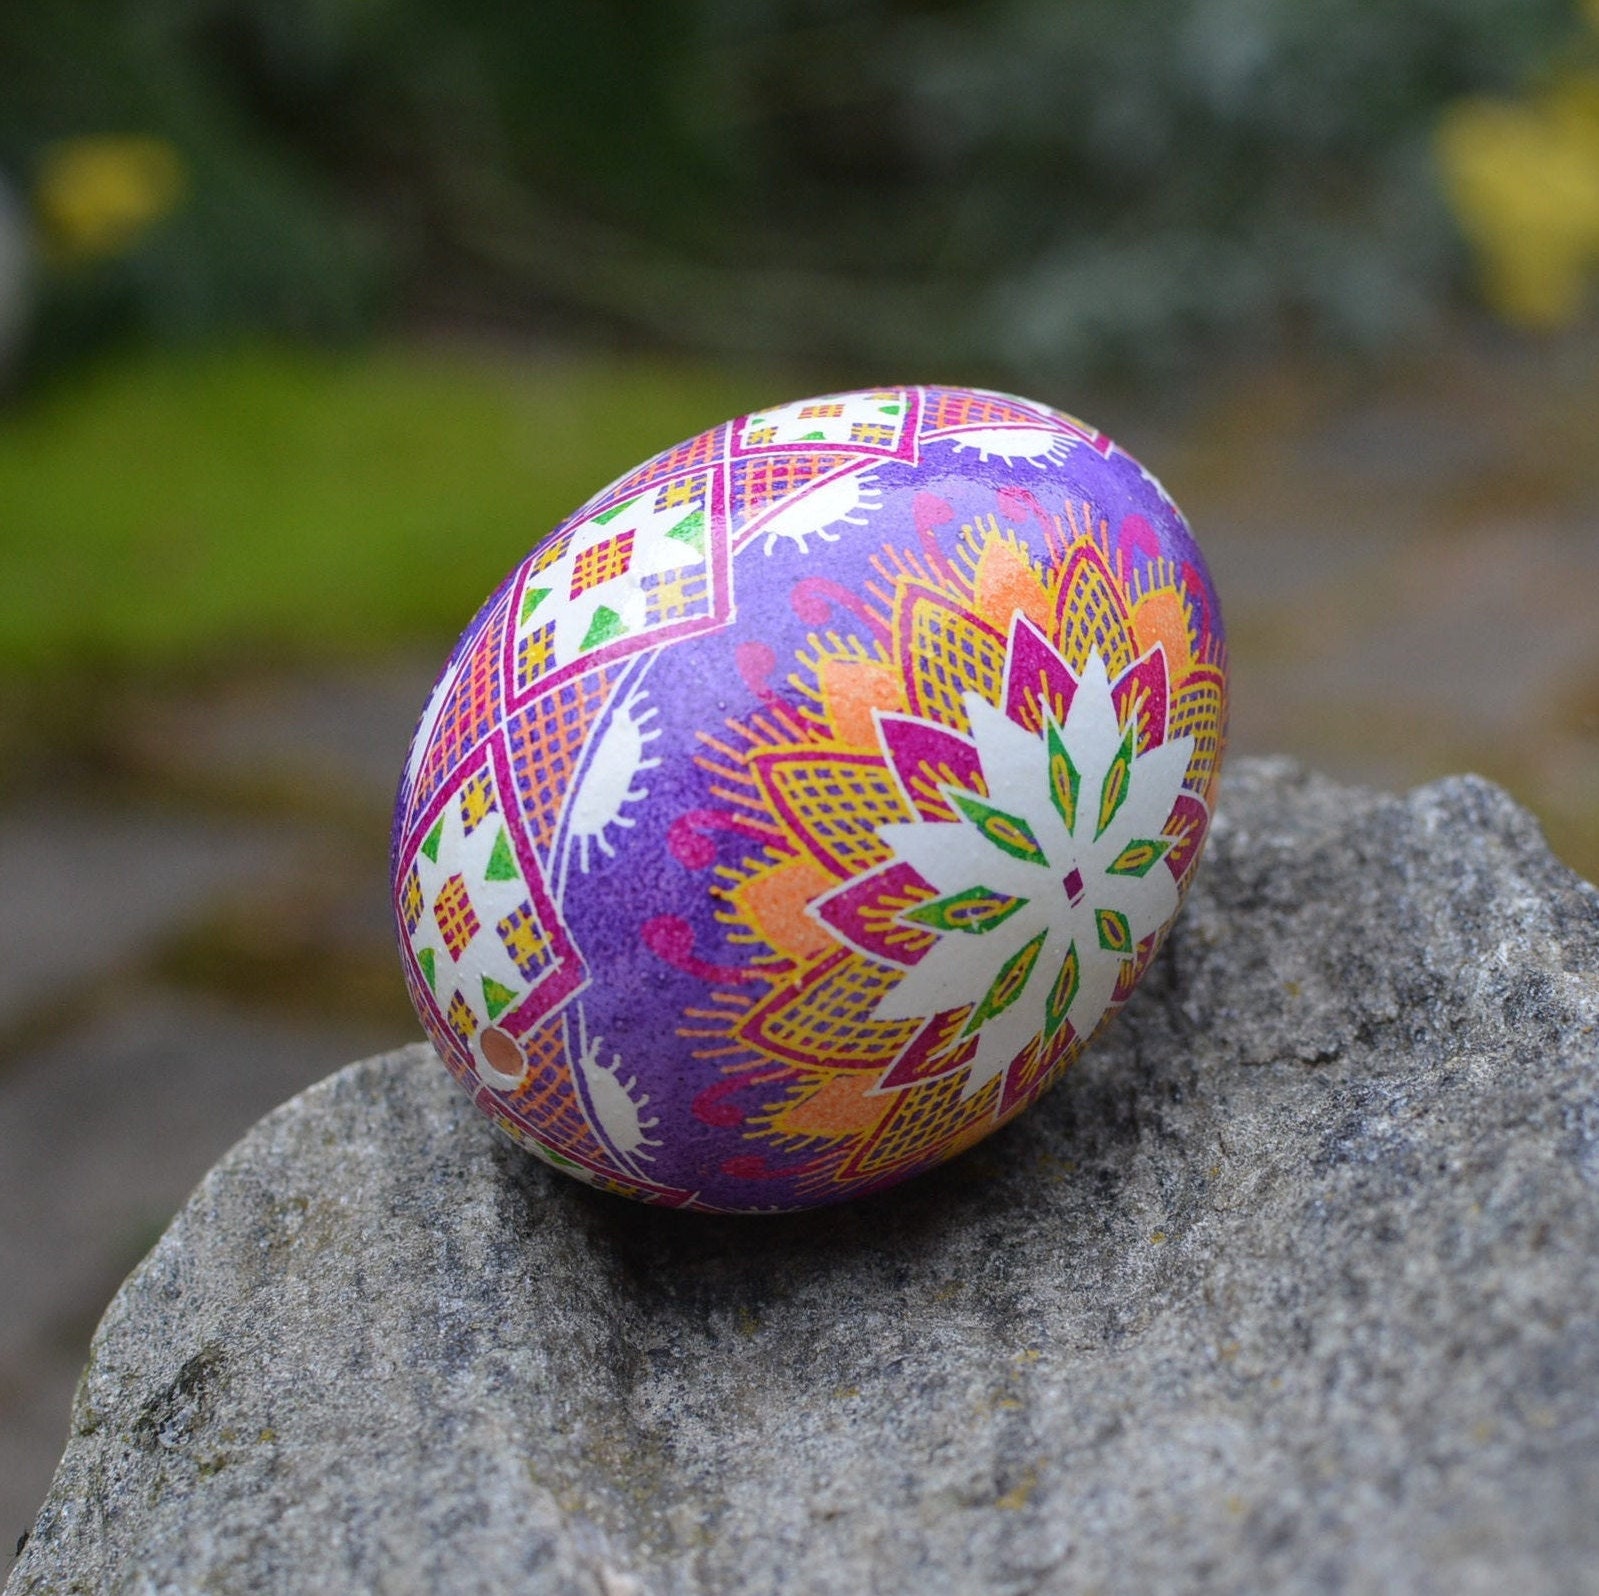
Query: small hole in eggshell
x,y
501,1061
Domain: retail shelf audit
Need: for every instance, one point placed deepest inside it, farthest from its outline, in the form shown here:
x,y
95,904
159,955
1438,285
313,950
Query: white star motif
x,y
1047,885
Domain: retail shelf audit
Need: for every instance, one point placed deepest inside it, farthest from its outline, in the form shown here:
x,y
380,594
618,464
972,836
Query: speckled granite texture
x,y
1292,1285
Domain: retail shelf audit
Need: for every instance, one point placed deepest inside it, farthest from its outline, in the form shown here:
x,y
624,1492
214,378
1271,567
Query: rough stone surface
x,y
1293,1285
103,1132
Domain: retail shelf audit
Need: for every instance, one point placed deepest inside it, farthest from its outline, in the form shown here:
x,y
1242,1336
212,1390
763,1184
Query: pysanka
x,y
802,806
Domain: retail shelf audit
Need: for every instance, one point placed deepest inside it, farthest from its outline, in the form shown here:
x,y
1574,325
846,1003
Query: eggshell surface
x,y
800,808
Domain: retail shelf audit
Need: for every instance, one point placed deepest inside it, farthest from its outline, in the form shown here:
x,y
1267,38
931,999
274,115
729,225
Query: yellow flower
x,y
1524,182
96,196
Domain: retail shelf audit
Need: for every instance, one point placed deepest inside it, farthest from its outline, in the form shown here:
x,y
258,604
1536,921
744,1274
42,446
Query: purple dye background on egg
x,y
800,808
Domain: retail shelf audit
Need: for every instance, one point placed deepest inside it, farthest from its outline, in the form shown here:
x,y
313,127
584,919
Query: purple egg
x,y
801,807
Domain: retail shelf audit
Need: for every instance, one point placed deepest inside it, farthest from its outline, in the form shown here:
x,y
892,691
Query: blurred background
x,y
315,314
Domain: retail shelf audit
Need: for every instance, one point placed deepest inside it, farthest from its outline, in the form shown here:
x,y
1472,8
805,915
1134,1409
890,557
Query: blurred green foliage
x,y
271,503
1023,189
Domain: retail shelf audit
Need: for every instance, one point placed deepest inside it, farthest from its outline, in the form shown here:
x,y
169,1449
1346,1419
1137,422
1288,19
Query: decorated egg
x,y
801,806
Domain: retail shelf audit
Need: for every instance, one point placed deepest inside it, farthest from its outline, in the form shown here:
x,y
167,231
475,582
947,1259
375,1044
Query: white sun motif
x,y
1038,446
611,781
1047,885
617,1105
821,511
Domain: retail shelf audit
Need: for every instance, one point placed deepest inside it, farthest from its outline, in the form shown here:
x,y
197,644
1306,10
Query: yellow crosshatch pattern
x,y
411,904
535,655
837,802
1196,712
830,1018
819,784
1094,615
551,550
601,563
461,1019
524,940
683,465
952,654
921,1120
675,594
477,800
871,432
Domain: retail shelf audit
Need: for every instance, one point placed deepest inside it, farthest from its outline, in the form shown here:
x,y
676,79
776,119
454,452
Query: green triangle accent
x,y
531,600
605,625
1009,833
1115,935
691,530
502,864
497,998
1117,780
976,911
1065,782
614,511
813,437
1139,857
430,844
1063,993
889,410
1008,984
428,959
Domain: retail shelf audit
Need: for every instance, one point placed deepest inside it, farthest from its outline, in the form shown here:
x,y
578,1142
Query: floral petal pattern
x,y
1065,890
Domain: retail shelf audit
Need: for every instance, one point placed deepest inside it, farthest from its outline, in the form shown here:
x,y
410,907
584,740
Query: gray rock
x,y
1292,1286
103,1132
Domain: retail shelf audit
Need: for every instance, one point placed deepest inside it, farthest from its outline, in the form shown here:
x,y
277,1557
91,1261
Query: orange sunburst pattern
x,y
877,734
